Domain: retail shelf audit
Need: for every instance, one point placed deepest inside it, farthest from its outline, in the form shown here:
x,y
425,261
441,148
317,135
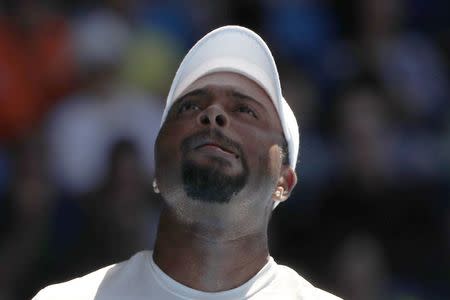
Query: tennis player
x,y
225,157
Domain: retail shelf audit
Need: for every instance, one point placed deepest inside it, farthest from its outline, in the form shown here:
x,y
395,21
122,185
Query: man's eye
x,y
247,110
188,106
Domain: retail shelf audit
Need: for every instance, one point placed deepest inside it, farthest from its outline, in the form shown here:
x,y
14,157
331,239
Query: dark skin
x,y
211,246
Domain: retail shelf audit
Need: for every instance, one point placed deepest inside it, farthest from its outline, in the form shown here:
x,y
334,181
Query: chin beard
x,y
210,184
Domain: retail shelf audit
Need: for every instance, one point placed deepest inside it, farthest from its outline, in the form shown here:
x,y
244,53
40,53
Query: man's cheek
x,y
167,156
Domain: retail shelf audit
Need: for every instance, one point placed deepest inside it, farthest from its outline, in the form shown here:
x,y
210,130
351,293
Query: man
x,y
225,157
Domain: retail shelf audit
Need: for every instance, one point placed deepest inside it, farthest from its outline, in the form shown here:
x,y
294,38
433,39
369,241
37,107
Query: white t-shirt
x,y
140,278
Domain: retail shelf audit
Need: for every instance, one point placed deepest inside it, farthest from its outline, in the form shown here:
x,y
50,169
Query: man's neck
x,y
203,262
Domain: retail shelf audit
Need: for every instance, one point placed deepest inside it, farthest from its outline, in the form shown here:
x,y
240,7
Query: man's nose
x,y
214,115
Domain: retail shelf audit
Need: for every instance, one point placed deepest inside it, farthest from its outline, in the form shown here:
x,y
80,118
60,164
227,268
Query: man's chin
x,y
210,182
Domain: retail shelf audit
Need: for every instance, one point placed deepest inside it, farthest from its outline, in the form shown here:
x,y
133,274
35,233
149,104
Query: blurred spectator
x,y
364,136
25,220
408,64
100,40
84,127
366,194
360,269
122,213
36,65
361,272
81,129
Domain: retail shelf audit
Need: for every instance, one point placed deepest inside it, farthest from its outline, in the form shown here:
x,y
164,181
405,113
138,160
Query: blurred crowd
x,y
82,89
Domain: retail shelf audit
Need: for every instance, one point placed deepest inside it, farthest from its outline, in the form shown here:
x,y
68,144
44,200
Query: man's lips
x,y
211,141
215,146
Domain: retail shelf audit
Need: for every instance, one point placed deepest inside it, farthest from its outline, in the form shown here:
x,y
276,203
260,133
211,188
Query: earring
x,y
155,187
279,192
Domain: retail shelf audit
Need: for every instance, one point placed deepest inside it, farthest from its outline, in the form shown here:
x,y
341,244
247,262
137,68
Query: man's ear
x,y
285,184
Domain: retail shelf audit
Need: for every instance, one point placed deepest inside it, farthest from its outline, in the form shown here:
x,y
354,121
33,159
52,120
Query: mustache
x,y
213,134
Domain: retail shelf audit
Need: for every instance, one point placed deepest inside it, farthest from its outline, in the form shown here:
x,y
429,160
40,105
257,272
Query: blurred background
x,y
82,89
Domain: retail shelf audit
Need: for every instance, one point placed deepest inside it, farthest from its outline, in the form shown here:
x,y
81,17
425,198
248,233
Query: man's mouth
x,y
213,142
213,146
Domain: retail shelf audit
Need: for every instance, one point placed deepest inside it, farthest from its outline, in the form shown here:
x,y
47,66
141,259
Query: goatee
x,y
211,183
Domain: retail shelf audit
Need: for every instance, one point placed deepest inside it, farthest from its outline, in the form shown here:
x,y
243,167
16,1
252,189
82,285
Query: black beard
x,y
210,183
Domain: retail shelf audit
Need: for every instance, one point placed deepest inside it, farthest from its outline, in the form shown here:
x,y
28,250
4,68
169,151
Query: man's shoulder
x,y
87,286
304,288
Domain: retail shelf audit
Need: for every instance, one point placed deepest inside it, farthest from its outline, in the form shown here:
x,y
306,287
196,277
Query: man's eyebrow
x,y
196,92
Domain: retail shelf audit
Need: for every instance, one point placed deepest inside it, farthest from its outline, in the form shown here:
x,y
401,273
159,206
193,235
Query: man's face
x,y
220,144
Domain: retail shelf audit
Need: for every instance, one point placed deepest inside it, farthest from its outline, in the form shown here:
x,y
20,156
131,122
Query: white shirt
x,y
140,278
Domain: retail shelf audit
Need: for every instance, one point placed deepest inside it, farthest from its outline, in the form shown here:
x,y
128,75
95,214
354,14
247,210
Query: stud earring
x,y
279,192
155,187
